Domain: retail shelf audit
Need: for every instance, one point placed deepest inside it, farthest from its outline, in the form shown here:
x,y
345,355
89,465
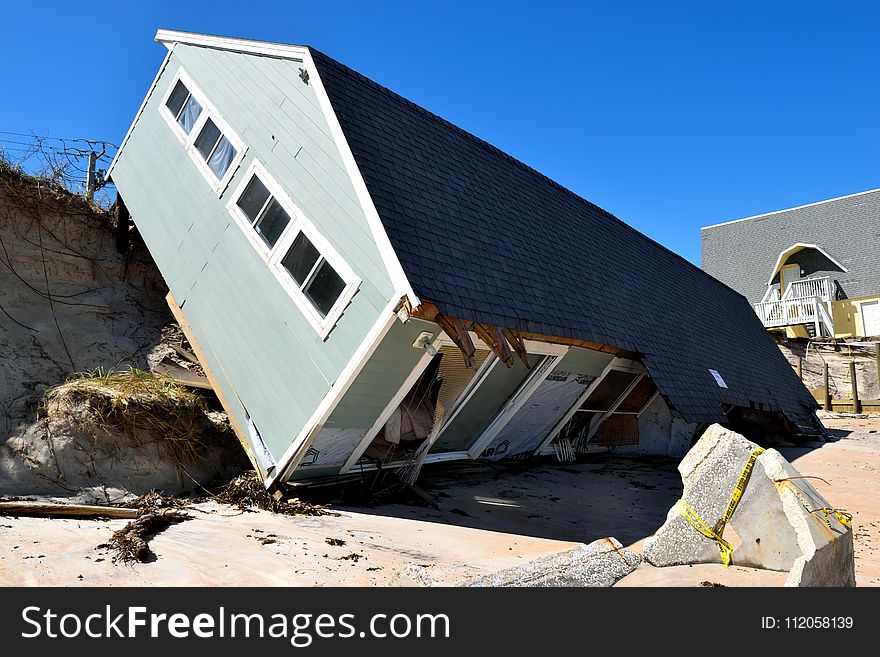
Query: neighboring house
x,y
369,285
812,270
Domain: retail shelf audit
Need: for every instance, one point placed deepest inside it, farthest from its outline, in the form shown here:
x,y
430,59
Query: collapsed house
x,y
368,285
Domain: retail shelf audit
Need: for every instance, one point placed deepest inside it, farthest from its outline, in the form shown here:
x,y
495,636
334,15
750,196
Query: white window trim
x,y
188,140
272,257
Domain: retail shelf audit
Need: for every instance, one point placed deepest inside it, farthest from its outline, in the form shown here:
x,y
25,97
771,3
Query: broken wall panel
x,y
618,430
477,413
550,402
331,447
537,417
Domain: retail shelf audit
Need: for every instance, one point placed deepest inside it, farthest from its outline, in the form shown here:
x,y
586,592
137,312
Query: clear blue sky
x,y
671,115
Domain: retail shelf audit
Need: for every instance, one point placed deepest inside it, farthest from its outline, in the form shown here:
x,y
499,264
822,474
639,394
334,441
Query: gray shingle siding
x,y
490,239
742,253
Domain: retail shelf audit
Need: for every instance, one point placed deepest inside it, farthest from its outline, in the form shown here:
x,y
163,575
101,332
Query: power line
x,y
73,139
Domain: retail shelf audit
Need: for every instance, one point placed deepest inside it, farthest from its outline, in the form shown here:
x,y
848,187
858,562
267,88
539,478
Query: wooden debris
x,y
181,375
491,335
188,355
131,542
57,510
518,344
586,344
456,331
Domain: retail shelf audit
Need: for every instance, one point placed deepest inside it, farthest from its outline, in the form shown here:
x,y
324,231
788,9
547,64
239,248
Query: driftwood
x,y
182,376
132,541
53,510
190,356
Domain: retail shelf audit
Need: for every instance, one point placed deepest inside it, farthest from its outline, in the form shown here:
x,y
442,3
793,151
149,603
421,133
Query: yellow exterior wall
x,y
797,331
847,317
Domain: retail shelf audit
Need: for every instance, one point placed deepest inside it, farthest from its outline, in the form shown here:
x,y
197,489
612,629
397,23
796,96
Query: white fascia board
x,y
266,48
785,254
399,280
141,108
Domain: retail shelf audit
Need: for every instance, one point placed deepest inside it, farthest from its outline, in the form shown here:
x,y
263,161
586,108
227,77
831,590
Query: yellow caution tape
x,y
700,525
843,517
717,533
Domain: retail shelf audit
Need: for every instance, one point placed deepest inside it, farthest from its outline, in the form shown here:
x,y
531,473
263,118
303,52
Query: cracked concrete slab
x,y
780,524
598,564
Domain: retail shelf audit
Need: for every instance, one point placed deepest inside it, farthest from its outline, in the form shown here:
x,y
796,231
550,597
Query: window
x,y
315,276
183,107
266,216
218,152
208,140
318,280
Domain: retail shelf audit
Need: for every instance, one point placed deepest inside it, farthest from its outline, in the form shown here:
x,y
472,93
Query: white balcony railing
x,y
806,301
809,288
787,313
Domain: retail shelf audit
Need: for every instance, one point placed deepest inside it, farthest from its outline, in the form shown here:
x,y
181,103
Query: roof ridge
x,y
529,169
793,208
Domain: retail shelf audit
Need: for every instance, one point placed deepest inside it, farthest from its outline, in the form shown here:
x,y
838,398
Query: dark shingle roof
x,y
742,253
489,239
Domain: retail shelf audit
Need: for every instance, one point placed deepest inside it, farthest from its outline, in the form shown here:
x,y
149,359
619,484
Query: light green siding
x,y
263,351
373,389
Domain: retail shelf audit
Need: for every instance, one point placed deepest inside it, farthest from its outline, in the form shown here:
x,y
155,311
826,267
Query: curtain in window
x,y
222,157
189,114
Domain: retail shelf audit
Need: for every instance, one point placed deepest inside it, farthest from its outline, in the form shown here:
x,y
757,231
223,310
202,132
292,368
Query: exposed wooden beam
x,y
57,510
456,331
429,311
181,375
491,335
586,344
518,343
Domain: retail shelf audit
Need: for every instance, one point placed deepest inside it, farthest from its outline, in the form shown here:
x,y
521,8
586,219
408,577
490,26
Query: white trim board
x,y
249,46
797,207
801,246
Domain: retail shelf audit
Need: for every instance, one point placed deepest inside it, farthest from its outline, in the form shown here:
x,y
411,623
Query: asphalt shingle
x,y
489,239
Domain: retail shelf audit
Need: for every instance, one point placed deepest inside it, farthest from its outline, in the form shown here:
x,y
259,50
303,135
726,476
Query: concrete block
x,y
778,524
600,563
